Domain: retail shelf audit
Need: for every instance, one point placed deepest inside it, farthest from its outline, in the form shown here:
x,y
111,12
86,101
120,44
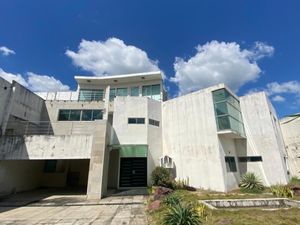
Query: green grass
x,y
255,217
295,181
237,217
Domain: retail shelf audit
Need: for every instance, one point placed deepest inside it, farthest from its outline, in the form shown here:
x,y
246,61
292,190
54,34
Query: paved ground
x,y
36,208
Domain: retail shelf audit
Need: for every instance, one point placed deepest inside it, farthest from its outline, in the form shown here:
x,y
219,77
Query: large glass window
x,y
91,95
64,115
117,92
228,112
134,91
75,115
80,115
152,91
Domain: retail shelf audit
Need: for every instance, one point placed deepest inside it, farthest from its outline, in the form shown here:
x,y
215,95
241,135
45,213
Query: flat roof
x,y
119,79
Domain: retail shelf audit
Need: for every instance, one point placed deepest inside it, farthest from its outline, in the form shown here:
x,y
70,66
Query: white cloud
x,y
278,92
112,56
10,77
219,62
291,87
278,98
6,51
35,82
38,82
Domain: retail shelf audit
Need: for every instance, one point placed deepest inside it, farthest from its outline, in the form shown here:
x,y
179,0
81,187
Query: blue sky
x,y
250,45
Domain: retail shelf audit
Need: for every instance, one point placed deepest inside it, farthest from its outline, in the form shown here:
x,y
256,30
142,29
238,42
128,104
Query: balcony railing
x,y
49,128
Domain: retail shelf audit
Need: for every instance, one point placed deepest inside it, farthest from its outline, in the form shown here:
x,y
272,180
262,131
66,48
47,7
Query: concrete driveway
x,y
73,209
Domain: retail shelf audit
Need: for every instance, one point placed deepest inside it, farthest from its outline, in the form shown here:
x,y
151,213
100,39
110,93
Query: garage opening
x,y
61,175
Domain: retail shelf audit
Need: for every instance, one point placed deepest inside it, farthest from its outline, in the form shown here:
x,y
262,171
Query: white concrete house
x,y
290,126
113,131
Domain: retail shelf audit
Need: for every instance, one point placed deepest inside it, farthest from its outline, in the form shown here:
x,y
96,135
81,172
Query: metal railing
x,y
49,128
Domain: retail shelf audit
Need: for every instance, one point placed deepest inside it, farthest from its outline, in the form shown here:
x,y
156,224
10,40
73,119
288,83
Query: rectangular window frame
x,y
154,122
245,159
92,95
82,111
230,162
136,120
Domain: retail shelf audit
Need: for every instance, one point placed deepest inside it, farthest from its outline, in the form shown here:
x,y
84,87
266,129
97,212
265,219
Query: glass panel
x,y
146,90
236,126
75,115
132,120
223,123
91,95
112,94
221,108
134,91
156,89
230,164
121,92
63,115
140,120
219,95
86,115
234,112
97,115
233,101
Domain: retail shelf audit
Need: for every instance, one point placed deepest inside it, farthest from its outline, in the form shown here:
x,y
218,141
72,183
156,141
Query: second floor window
x,y
152,91
80,115
91,95
117,92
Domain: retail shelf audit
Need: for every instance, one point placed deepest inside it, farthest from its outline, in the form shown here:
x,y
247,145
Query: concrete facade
x,y
113,131
290,126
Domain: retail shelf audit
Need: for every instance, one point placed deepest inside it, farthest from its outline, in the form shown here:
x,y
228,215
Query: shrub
x,y
161,177
202,211
182,215
251,183
282,191
172,200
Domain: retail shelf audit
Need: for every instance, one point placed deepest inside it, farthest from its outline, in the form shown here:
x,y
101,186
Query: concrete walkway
x,y
74,209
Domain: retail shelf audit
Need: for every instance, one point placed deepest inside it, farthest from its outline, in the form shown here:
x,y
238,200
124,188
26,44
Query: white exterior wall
x,y
46,147
5,94
138,134
264,139
290,127
190,138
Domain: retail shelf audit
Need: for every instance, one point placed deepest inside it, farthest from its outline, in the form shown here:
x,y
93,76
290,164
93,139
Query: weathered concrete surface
x,y
45,147
190,138
97,180
290,127
264,139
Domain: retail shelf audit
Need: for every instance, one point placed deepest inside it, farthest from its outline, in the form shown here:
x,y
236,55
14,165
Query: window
x,y
250,159
117,92
91,95
152,91
227,111
134,91
50,166
80,115
154,122
64,115
230,164
136,120
75,115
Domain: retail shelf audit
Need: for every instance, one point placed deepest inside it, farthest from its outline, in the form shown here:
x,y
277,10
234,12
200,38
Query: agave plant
x,y
250,182
182,215
171,200
282,191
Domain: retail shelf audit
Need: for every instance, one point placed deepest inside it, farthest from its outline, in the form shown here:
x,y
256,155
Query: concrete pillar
x,y
106,102
97,180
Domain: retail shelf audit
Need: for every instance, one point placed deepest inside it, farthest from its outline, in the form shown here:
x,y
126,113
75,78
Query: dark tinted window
x,y
230,164
63,115
75,115
136,120
250,159
87,115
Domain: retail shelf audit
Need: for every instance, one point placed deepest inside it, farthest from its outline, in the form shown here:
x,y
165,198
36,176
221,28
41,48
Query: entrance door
x,y
133,172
